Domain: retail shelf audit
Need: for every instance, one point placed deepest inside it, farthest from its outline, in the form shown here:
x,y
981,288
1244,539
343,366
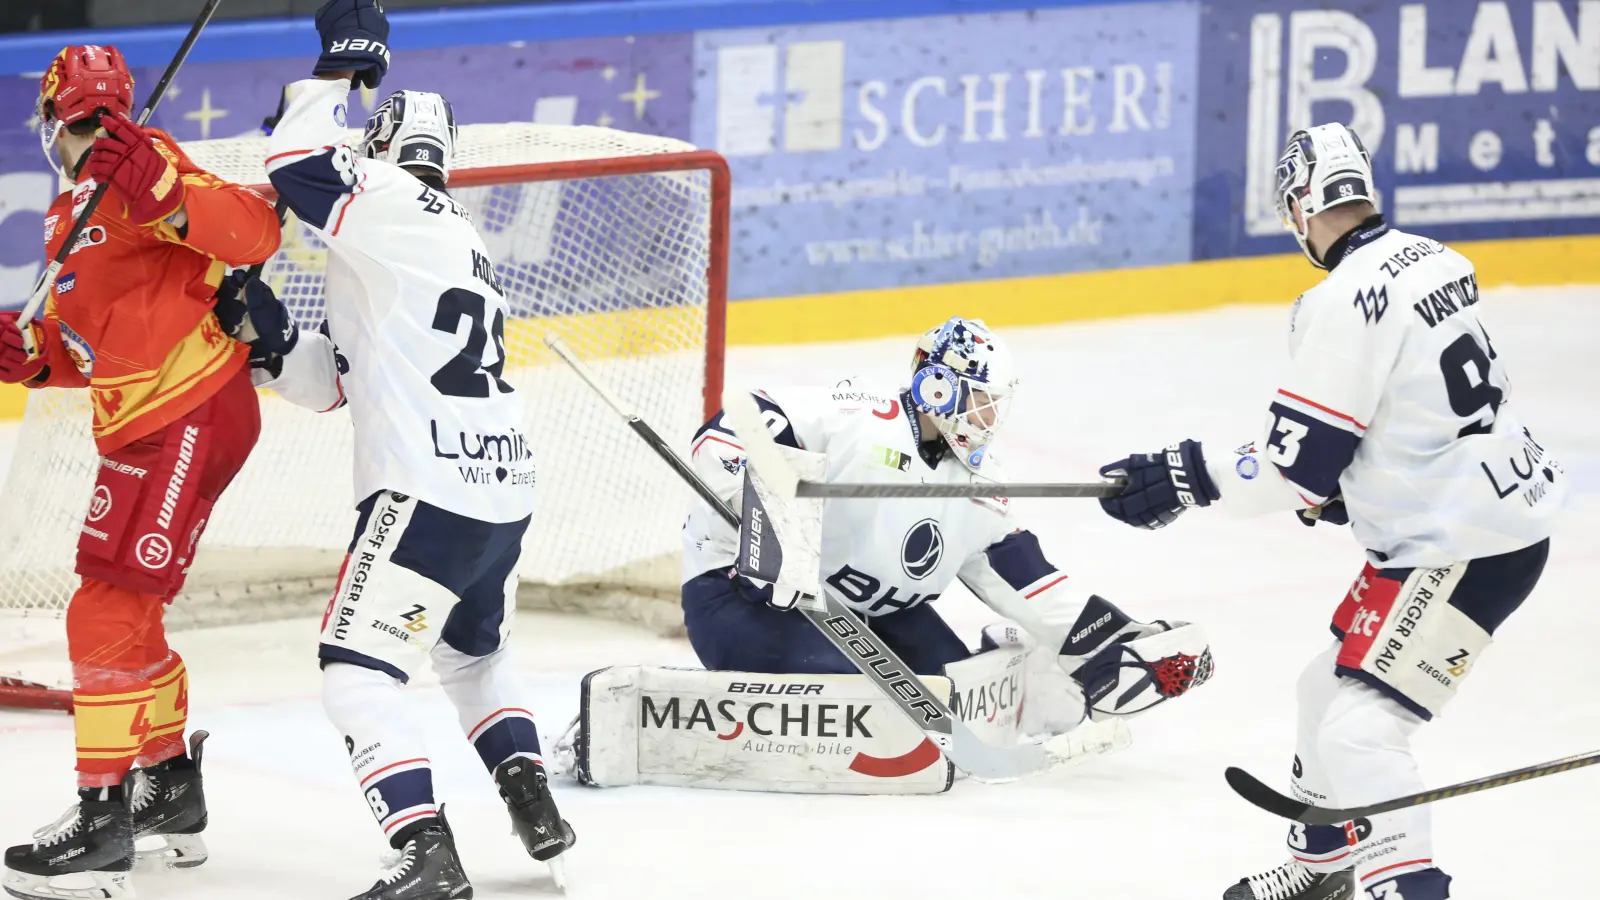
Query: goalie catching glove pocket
x,y
1126,667
250,312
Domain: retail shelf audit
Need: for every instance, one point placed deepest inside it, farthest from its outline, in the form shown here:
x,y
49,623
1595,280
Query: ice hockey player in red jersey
x,y
174,416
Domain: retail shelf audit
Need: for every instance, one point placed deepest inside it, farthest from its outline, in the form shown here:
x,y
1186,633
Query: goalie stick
x,y
1252,789
41,290
857,643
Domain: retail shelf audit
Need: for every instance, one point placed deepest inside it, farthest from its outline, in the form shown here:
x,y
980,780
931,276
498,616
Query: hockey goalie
x,y
1072,656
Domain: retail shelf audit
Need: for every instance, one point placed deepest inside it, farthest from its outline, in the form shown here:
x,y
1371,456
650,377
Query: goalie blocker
x,y
810,734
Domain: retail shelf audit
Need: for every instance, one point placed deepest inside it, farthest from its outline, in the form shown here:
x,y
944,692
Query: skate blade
x,y
158,852
72,886
558,872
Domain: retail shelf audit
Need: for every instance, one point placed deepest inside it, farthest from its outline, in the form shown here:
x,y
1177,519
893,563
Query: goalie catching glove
x,y
1125,667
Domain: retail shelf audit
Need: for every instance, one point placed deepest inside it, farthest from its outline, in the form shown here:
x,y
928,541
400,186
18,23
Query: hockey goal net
x,y
615,241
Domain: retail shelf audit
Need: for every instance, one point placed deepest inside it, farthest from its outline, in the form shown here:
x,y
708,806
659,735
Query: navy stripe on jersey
x,y
1017,559
771,412
1310,451
311,185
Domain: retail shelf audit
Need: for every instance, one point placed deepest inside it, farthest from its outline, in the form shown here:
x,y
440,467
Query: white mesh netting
x,y
617,264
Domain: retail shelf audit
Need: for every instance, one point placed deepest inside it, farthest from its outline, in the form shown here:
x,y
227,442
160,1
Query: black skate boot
x,y
86,855
168,801
1293,881
425,868
534,817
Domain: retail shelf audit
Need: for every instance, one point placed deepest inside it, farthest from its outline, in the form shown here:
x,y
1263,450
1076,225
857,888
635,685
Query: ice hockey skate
x,y
534,817
426,868
86,854
1293,881
168,805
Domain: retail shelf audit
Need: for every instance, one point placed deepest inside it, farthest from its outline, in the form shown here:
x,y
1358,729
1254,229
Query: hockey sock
x,y
116,643
488,703
385,746
169,713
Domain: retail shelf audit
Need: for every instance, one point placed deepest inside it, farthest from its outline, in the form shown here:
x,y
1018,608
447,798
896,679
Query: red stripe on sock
x,y
473,734
404,762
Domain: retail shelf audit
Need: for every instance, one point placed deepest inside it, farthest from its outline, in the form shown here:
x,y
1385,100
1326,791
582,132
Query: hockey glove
x,y
15,364
1161,486
355,37
128,160
1332,512
249,311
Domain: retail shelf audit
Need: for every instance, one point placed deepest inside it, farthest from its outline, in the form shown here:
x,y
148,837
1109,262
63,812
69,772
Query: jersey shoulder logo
x,y
1373,303
922,549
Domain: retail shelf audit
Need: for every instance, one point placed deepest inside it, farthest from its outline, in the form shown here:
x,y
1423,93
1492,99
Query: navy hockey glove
x,y
355,36
1332,512
1160,486
249,311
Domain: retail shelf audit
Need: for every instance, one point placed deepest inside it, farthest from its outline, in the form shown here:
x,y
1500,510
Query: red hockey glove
x,y
15,364
126,159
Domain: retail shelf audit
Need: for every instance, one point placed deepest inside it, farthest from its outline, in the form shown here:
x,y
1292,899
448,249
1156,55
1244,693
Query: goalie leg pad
x,y
808,734
1129,677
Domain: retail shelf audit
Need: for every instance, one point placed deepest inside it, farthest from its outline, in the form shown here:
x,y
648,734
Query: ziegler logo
x,y
416,621
1458,663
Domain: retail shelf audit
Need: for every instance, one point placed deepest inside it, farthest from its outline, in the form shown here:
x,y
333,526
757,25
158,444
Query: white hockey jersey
x,y
1398,402
879,556
415,322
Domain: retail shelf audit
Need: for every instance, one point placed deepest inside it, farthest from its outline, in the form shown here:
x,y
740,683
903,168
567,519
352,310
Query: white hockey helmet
x,y
963,379
1322,167
413,129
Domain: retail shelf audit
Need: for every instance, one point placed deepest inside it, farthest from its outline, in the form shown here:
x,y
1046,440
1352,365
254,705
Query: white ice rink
x,y
1155,822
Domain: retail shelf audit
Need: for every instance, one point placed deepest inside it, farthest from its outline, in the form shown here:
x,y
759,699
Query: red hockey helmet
x,y
83,79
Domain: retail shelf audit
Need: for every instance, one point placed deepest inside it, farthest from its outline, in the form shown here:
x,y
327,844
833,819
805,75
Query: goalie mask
x,y
963,380
1322,167
413,129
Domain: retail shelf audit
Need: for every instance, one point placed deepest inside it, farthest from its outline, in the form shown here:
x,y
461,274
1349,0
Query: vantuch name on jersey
x,y
1447,300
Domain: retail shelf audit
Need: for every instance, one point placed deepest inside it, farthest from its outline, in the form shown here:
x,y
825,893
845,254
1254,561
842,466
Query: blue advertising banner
x,y
1483,118
637,84
908,152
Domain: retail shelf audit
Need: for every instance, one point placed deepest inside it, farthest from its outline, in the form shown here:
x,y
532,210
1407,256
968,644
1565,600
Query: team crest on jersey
x,y
922,549
733,464
1248,466
78,349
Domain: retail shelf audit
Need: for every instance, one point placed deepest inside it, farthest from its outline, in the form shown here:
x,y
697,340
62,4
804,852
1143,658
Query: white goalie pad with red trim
x,y
808,734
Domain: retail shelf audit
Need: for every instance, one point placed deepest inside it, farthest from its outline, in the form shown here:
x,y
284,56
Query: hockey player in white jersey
x,y
1396,419
890,559
413,345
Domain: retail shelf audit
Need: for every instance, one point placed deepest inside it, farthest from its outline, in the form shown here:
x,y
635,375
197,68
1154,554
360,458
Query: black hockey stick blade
x,y
867,490
1262,797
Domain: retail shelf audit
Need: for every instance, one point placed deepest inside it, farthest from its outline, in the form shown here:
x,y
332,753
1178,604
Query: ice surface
x,y
1155,822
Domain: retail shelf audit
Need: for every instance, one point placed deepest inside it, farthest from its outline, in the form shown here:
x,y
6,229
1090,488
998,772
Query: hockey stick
x,y
857,643
854,491
41,290
781,477
1250,788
